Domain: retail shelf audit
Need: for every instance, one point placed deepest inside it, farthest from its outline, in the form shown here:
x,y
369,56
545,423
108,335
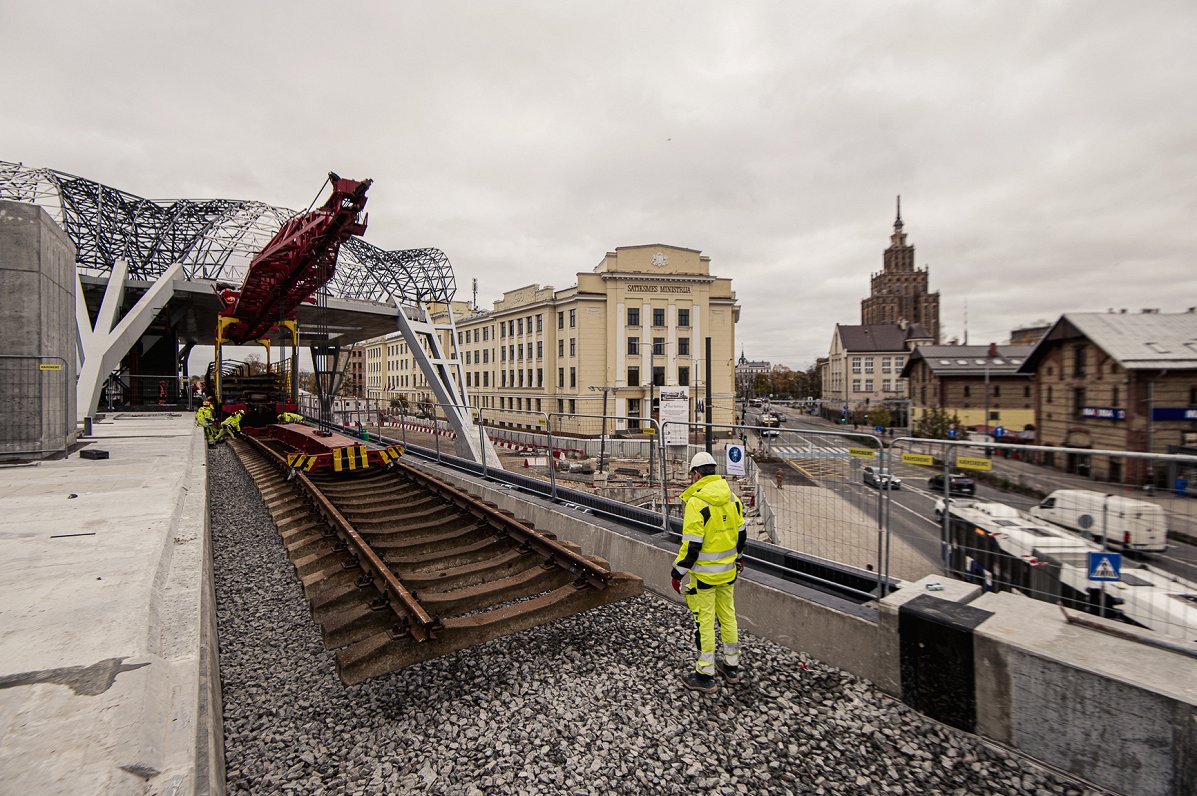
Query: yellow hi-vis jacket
x,y
290,417
203,416
713,533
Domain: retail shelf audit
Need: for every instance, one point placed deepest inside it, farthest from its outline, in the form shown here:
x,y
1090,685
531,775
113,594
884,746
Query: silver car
x,y
879,476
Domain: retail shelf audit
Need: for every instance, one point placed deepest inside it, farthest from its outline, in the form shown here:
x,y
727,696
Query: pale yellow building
x,y
635,324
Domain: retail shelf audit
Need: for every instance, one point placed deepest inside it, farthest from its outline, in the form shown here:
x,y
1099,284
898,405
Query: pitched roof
x,y
1140,341
880,336
969,360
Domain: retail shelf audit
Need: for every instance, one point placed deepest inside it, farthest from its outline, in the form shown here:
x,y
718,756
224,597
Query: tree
x,y
880,416
934,424
760,384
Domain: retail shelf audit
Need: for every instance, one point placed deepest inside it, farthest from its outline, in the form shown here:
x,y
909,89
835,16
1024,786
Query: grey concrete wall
x,y
1120,713
37,281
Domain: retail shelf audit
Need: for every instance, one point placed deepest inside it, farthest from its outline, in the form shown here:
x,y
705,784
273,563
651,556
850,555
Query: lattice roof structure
x,y
214,239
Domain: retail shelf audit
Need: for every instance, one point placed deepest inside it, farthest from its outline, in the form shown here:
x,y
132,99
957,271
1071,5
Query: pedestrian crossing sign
x,y
1105,566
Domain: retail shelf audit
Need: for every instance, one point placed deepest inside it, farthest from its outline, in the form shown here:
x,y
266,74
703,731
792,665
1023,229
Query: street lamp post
x,y
652,443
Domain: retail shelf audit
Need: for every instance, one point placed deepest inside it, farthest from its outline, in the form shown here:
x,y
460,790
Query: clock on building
x,y
660,260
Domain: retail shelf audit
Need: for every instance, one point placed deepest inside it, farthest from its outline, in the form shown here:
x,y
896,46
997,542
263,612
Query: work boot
x,y
730,673
700,682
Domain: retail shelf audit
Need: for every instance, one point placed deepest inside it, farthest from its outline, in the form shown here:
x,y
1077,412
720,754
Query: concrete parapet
x,y
1117,712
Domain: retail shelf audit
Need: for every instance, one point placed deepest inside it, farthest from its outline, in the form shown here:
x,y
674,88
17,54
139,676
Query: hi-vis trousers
x,y
709,603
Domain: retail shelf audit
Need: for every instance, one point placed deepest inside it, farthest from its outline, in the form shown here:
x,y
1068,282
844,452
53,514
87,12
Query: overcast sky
x,y
1046,152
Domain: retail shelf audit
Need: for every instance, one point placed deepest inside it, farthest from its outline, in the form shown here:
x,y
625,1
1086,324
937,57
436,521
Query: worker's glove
x,y
740,565
677,585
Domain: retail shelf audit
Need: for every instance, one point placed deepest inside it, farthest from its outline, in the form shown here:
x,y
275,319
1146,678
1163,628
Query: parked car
x,y
878,476
960,484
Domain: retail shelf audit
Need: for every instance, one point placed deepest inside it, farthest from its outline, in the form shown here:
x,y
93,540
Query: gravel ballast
x,y
591,704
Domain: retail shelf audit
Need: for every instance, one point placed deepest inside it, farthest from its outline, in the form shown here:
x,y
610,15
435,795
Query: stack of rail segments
x,y
399,567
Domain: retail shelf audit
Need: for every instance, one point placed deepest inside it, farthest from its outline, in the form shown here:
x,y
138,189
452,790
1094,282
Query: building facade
x,y
746,372
899,291
634,325
865,363
1116,381
969,380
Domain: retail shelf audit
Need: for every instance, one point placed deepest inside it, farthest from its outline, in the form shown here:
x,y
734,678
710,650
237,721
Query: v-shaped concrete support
x,y
103,346
444,376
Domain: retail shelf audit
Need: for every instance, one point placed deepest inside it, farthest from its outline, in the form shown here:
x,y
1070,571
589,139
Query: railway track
x,y
399,567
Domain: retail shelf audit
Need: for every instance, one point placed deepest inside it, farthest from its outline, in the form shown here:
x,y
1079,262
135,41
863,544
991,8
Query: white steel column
x,y
103,346
444,377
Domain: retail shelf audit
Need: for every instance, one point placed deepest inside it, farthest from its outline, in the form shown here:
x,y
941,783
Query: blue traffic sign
x,y
735,453
1105,566
879,429
998,432
951,433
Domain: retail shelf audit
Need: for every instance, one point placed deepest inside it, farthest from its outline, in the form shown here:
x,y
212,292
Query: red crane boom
x,y
294,265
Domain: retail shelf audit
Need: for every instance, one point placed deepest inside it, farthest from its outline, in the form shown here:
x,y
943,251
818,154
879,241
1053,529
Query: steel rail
x,y
554,552
414,617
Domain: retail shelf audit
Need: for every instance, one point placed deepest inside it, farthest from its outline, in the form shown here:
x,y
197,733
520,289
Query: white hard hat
x,y
701,459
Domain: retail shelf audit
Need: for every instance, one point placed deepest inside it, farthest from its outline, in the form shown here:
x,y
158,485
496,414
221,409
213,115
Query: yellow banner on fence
x,y
862,453
973,463
917,458
50,366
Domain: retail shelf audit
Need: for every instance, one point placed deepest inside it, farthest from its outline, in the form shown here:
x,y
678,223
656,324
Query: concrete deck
x,y
108,674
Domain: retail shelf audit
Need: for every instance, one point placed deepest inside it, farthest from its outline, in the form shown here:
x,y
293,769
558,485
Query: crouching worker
x,y
204,419
290,417
230,426
713,540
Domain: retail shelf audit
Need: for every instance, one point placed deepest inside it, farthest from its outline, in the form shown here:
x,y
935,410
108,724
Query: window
x,y
539,378
683,376
1049,393
683,346
1114,397
521,327
475,335
658,376
997,391
560,377
502,330
658,316
1078,361
573,406
561,320
885,364
521,350
633,407
529,377
886,384
511,352
856,385
683,317
485,332
540,349
503,353
967,391
573,318
633,377
521,378
1078,401
633,345
658,346
573,377
856,364
573,346
633,316
868,364
868,385
540,323
561,349
486,378
485,356
504,374
1026,391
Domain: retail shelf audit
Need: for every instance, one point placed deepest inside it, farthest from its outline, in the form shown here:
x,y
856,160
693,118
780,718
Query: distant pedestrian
x,y
713,541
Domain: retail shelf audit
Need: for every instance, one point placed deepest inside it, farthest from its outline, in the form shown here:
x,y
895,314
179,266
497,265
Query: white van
x,y
1133,525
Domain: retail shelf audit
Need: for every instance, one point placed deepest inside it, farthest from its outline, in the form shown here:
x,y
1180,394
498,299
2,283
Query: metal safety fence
x,y
36,412
1007,523
886,511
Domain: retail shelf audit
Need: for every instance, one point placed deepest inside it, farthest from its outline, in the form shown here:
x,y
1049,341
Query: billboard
x,y
675,410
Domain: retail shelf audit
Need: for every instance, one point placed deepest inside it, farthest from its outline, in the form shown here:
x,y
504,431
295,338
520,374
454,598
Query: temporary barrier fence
x,y
35,405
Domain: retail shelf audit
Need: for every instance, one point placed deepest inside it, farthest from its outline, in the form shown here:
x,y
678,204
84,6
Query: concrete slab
x,y
108,678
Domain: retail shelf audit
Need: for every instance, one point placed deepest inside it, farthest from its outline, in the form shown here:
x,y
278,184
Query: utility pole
x,y
710,435
603,442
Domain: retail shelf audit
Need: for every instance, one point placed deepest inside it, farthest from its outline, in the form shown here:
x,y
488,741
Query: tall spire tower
x,y
899,291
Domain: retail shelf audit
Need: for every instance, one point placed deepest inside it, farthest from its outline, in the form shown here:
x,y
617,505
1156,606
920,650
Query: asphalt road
x,y
912,509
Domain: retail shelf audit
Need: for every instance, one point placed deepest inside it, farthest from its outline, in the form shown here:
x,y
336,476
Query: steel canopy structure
x,y
211,239
179,250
